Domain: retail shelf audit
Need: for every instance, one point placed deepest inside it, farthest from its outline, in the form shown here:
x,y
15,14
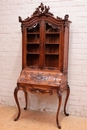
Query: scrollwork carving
x,y
20,19
42,10
66,17
39,77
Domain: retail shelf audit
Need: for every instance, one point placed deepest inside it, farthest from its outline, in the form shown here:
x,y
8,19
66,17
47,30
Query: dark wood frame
x,y
43,17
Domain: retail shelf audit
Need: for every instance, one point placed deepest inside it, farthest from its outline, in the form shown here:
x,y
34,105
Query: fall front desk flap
x,y
41,77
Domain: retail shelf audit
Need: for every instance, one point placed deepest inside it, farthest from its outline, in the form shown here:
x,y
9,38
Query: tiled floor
x,y
36,120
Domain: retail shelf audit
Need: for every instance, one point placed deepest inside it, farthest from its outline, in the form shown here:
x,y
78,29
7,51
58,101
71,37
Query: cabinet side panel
x,y
24,48
61,48
66,47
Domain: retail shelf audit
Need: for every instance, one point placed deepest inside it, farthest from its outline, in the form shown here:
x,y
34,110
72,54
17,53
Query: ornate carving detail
x,y
39,77
20,19
42,10
33,29
66,17
42,78
52,28
50,92
22,28
66,24
36,90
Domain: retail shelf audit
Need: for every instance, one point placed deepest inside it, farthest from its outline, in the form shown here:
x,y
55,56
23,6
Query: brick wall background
x,y
10,53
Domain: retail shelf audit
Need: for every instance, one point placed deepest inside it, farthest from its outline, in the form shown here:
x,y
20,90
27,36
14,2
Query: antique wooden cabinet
x,y
45,42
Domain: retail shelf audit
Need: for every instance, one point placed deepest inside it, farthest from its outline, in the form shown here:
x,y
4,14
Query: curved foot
x,y
17,117
60,99
67,96
59,127
16,99
25,108
67,114
25,93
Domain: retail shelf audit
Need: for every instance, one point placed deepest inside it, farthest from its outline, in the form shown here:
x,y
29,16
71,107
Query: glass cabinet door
x,y
52,45
33,45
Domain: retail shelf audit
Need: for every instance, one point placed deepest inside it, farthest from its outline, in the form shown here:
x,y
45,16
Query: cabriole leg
x,y
60,99
67,96
16,99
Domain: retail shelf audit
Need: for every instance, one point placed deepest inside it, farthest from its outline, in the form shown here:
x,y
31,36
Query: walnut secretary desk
x,y
45,42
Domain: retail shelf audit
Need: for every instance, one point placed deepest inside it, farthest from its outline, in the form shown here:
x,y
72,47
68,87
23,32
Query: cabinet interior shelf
x,y
33,43
52,33
33,53
30,33
52,43
51,53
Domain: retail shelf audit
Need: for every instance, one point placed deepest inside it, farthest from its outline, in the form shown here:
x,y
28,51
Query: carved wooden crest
x,y
42,10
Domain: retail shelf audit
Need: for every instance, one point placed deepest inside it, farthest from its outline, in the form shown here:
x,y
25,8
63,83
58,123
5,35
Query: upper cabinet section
x,y
45,40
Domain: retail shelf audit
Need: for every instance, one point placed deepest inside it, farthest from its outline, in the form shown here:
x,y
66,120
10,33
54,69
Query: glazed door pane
x,y
33,45
52,45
